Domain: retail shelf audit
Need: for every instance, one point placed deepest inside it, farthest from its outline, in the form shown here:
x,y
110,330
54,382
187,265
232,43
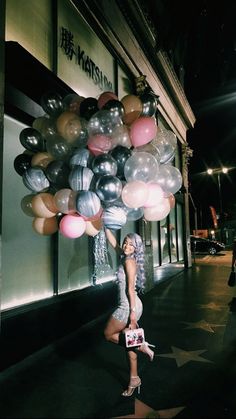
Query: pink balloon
x,y
143,130
134,194
72,226
99,144
159,212
105,97
155,195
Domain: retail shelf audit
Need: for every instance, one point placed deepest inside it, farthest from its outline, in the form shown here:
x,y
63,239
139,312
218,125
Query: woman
x,y
129,310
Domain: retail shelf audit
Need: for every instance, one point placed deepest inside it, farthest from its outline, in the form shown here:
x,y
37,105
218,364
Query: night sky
x,y
201,36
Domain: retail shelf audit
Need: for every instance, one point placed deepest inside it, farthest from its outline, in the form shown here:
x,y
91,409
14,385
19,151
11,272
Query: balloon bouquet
x,y
91,162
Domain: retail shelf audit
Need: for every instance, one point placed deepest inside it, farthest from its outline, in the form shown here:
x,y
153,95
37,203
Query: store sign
x,y
87,65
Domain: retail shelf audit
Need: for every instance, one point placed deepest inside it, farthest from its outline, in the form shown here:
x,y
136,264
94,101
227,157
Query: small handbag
x,y
134,337
232,278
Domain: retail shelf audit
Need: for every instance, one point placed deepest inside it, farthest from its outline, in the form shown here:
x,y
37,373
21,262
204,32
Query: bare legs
x,y
113,329
112,333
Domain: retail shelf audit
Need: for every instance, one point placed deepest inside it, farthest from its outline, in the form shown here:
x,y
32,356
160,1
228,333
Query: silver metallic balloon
x,y
88,204
80,178
35,179
114,218
104,164
108,188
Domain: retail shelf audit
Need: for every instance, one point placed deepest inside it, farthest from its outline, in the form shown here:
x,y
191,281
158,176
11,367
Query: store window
x,y
155,244
179,208
165,255
173,236
27,269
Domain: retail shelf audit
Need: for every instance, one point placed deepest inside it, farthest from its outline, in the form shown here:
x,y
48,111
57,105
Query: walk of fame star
x,y
182,357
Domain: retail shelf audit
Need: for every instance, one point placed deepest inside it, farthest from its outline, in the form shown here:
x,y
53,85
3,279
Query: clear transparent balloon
x,y
103,122
141,166
58,147
166,142
169,178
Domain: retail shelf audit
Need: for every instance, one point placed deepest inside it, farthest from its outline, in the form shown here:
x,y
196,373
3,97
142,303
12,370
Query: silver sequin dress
x,y
123,309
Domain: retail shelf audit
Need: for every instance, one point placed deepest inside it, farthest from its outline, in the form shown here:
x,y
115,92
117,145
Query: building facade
x,y
79,48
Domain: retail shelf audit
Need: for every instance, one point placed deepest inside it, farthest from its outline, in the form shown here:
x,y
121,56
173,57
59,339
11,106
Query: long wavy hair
x,y
139,258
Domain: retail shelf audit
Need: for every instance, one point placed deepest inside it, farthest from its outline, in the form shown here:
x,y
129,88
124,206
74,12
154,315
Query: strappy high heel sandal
x,y
146,350
132,386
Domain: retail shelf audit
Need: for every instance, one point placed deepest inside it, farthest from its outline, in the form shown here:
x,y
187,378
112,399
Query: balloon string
x,y
100,254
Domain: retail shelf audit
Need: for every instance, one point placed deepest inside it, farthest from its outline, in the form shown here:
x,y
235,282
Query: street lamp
x,y
218,173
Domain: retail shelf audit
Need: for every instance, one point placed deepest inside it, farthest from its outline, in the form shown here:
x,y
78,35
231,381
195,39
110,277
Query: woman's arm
x,y
130,270
112,240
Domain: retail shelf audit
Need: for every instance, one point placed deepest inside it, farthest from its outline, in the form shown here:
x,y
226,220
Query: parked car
x,y
202,245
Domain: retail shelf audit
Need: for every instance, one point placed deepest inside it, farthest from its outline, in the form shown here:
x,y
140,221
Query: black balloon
x,y
32,139
116,107
149,102
57,172
120,154
88,107
52,103
21,163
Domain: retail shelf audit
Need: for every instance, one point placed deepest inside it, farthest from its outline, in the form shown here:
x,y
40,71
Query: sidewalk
x,y
193,374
